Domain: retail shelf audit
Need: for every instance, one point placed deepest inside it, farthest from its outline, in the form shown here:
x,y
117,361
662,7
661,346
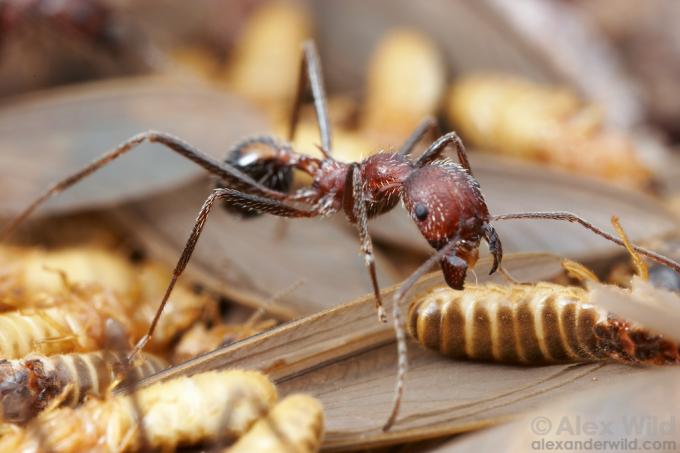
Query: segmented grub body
x,y
181,411
50,331
296,424
201,339
62,300
530,324
30,385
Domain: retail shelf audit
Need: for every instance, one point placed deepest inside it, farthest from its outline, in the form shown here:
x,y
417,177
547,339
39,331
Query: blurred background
x,y
562,104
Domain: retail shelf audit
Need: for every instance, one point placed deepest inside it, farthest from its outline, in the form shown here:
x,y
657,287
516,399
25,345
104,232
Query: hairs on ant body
x,y
442,197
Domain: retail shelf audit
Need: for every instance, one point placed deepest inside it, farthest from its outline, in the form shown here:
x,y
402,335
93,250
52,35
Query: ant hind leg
x,y
222,170
247,201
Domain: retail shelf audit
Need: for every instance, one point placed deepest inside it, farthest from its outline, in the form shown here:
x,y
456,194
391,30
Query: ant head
x,y
446,204
258,160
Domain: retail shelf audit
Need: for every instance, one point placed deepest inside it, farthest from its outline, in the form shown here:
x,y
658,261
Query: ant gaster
x,y
442,197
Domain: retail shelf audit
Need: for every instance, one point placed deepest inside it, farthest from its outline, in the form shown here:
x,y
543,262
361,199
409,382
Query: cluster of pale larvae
x,y
234,410
68,320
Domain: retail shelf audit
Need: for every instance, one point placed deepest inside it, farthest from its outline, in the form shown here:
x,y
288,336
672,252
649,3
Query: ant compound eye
x,y
421,211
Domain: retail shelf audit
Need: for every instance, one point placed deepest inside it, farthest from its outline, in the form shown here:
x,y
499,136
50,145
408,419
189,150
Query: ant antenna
x,y
573,218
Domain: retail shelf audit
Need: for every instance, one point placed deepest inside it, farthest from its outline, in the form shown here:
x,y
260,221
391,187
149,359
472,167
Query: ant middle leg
x,y
310,72
247,201
429,124
224,171
354,205
440,145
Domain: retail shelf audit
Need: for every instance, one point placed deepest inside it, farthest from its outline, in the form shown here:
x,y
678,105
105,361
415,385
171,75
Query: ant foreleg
x,y
573,218
354,204
310,71
495,246
402,351
440,145
248,201
427,125
224,171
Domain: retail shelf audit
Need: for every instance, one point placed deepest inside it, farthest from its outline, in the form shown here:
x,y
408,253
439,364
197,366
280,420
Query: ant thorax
x,y
329,181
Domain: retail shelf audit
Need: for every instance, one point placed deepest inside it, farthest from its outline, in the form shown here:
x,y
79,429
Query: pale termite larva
x,y
201,339
296,424
63,329
30,385
181,411
80,287
530,324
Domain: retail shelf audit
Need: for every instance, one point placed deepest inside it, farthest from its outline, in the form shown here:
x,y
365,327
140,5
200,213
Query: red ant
x,y
442,197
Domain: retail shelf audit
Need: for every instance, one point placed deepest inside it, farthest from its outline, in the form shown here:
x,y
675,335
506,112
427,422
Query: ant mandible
x,y
442,197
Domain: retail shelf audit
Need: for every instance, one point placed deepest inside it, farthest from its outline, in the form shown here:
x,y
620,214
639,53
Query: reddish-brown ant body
x,y
442,197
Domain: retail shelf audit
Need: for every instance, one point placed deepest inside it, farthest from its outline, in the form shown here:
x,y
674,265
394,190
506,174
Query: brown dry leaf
x,y
637,408
346,359
251,260
49,135
511,186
